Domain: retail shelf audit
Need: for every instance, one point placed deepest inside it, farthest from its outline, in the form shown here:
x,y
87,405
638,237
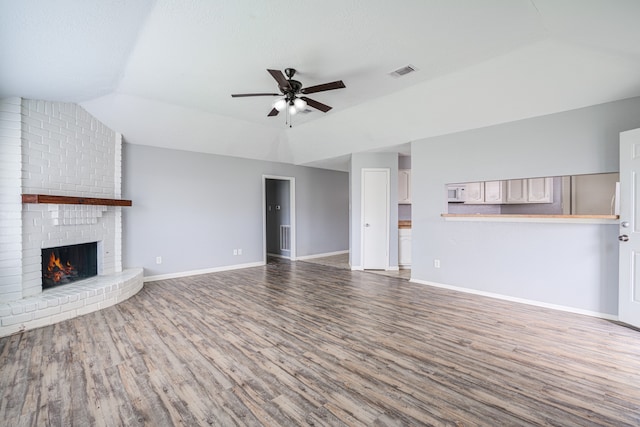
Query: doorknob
x,y
367,225
624,224
623,238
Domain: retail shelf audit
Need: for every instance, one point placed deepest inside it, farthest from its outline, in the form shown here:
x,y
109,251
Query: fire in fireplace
x,y
66,264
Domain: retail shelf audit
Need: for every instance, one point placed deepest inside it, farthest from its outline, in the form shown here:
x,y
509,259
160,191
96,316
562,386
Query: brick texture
x,y
59,149
10,201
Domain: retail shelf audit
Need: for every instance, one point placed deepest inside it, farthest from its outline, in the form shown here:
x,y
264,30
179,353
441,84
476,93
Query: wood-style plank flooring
x,y
305,344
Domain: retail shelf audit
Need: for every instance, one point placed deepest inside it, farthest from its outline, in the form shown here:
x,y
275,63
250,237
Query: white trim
x,y
518,300
302,258
388,212
292,214
203,271
357,268
394,268
481,218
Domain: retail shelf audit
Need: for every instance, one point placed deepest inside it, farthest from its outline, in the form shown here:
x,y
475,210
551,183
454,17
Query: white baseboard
x,y
519,300
203,271
394,268
302,258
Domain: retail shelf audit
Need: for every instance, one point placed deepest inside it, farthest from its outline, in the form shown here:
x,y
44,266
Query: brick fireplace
x,y
57,149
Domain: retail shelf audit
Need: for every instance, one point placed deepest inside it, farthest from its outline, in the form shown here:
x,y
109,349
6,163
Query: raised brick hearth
x,y
58,149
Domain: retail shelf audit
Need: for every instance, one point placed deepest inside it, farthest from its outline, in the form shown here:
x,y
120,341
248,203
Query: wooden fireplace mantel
x,y
70,200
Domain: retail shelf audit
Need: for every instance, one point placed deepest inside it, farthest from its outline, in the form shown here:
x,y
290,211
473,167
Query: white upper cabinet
x,y
540,190
489,192
474,193
513,191
532,190
494,192
404,186
517,191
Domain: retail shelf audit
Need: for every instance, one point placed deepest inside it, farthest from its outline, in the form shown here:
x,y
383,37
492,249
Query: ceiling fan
x,y
290,89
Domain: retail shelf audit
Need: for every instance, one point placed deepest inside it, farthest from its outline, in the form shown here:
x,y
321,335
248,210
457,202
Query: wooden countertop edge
x,y
71,200
529,216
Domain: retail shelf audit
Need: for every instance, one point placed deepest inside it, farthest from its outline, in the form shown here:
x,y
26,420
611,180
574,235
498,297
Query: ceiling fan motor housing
x,y
293,88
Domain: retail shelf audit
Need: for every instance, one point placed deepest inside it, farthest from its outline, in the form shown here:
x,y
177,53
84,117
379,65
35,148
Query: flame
x,y
56,270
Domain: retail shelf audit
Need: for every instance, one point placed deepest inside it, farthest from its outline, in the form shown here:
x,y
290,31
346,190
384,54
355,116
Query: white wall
x,y
10,199
58,149
193,209
68,152
571,265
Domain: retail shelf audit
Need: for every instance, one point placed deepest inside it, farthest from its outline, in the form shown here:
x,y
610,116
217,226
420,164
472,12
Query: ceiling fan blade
x,y
326,86
273,112
240,95
315,104
280,78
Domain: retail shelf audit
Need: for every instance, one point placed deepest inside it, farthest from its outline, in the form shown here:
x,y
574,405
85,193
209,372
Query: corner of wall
x,y
10,199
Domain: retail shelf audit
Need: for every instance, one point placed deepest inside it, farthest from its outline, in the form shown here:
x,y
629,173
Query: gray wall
x,y
573,265
373,160
194,209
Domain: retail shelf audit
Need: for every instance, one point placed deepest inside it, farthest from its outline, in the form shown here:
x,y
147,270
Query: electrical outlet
x,y
239,251
436,263
235,252
158,260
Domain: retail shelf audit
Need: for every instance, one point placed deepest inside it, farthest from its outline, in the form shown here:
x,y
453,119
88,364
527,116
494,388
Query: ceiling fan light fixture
x,y
292,108
300,104
280,104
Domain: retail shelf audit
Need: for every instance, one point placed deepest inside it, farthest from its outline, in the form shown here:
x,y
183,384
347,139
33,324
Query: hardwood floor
x,y
342,261
305,344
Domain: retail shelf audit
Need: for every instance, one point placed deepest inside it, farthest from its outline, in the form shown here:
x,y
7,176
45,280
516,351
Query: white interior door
x,y
375,219
629,286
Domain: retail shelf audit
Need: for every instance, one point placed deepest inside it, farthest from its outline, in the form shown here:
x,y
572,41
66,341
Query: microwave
x,y
455,193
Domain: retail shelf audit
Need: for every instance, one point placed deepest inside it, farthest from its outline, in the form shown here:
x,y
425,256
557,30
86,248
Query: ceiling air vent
x,y
403,71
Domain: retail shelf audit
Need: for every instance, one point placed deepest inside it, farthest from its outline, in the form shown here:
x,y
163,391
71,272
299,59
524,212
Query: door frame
x,y
292,213
388,212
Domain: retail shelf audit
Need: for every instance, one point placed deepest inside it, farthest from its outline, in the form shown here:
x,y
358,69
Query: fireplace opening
x,y
66,264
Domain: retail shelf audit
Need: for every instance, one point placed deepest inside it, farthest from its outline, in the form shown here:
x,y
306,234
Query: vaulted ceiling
x,y
162,72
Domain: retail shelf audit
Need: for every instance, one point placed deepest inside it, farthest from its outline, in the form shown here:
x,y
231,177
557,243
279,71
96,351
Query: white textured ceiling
x,y
161,72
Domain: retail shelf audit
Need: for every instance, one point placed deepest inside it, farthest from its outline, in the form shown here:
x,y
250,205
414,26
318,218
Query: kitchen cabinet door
x,y
517,191
404,186
404,247
474,193
494,192
540,190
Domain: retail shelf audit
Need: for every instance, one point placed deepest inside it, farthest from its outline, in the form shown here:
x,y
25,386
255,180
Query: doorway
x,y
278,207
375,219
